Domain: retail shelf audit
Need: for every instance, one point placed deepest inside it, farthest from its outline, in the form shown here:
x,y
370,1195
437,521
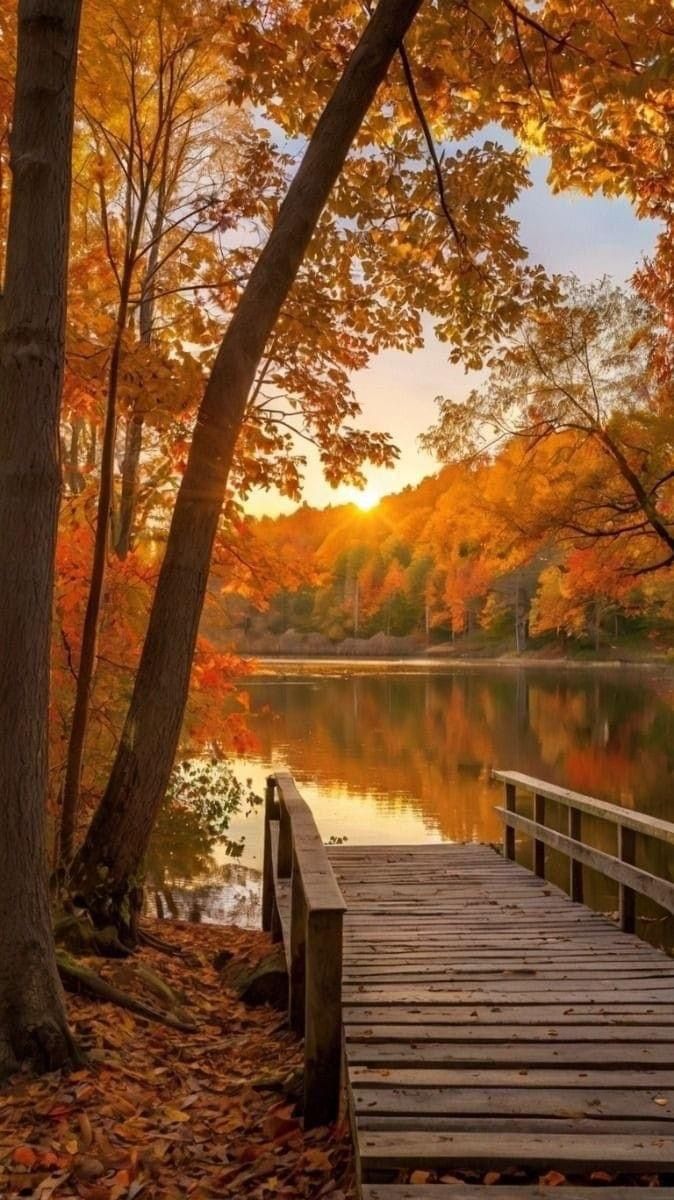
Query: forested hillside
x,y
547,528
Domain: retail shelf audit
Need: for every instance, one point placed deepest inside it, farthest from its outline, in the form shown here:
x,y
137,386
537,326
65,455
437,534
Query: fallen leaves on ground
x,y
529,1177
164,1115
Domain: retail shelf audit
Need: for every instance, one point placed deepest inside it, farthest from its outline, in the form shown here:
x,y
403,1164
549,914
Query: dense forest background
x,y
471,561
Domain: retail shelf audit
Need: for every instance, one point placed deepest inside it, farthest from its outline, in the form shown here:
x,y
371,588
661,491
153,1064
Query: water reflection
x,y
397,755
227,896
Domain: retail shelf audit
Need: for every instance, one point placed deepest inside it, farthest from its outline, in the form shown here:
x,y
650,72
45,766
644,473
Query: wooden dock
x,y
488,1021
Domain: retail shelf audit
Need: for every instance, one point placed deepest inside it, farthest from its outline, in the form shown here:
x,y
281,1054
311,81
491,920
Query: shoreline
x,y
420,664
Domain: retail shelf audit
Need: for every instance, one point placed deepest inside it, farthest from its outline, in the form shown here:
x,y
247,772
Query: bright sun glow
x,y
366,499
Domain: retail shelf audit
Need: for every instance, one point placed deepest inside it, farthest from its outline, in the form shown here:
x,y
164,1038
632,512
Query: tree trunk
x,y
104,517
133,440
73,475
133,444
87,662
33,1024
106,868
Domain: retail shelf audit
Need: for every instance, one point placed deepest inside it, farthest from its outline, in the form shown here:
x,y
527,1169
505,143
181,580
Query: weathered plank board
x,y
491,1022
611,1056
430,1123
499,1151
601,1015
488,1102
488,1036
555,1076
410,1191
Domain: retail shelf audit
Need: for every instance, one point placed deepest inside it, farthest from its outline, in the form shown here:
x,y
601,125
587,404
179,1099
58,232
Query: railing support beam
x,y
270,814
298,953
539,846
323,1032
509,832
575,867
628,897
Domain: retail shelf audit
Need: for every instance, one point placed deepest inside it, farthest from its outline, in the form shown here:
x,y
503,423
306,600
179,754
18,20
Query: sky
x,y
568,233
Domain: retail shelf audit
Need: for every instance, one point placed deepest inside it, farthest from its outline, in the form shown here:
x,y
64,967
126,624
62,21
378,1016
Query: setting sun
x,y
366,499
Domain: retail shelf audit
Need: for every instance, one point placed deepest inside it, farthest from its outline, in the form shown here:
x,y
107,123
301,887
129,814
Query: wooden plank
x,y
611,1056
548,1034
592,978
566,1152
632,952
439,1191
655,889
532,1014
516,1102
614,813
488,1076
437,993
530,937
533,1124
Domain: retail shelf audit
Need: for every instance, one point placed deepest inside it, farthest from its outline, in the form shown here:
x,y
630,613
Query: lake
x,y
403,753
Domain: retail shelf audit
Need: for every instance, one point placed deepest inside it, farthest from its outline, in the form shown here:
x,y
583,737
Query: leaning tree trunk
x,y
32,1014
106,869
86,667
133,440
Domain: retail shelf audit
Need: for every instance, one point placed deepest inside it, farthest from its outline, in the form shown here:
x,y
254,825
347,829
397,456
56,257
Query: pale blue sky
x,y
566,233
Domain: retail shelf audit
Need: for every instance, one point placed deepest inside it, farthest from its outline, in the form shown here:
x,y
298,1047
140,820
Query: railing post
x,y
270,815
575,867
627,854
298,952
508,831
323,1023
284,865
539,846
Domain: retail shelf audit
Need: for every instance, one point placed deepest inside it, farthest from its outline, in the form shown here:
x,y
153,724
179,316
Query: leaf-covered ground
x,y
167,1115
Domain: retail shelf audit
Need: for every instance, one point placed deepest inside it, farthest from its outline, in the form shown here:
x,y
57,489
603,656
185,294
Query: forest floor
x,y
168,1115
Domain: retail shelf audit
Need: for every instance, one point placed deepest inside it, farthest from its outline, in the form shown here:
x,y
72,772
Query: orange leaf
x,y
553,1179
316,1160
25,1156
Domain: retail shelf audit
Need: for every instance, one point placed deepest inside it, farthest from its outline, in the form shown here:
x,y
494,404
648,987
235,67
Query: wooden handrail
x,y
615,813
302,905
632,880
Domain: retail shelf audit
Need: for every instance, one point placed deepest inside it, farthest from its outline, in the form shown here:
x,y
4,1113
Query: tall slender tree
x,y
32,332
106,868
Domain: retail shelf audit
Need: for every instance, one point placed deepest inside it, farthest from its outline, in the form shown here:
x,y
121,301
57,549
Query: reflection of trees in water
x,y
183,879
228,895
434,738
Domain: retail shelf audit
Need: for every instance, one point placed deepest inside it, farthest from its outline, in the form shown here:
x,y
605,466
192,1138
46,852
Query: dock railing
x,y
303,907
620,867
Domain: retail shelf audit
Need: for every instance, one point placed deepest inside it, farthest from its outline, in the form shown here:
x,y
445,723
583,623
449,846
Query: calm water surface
x,y
398,754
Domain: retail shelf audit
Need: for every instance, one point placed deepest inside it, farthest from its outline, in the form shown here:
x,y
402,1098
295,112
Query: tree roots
x,y
77,978
150,939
